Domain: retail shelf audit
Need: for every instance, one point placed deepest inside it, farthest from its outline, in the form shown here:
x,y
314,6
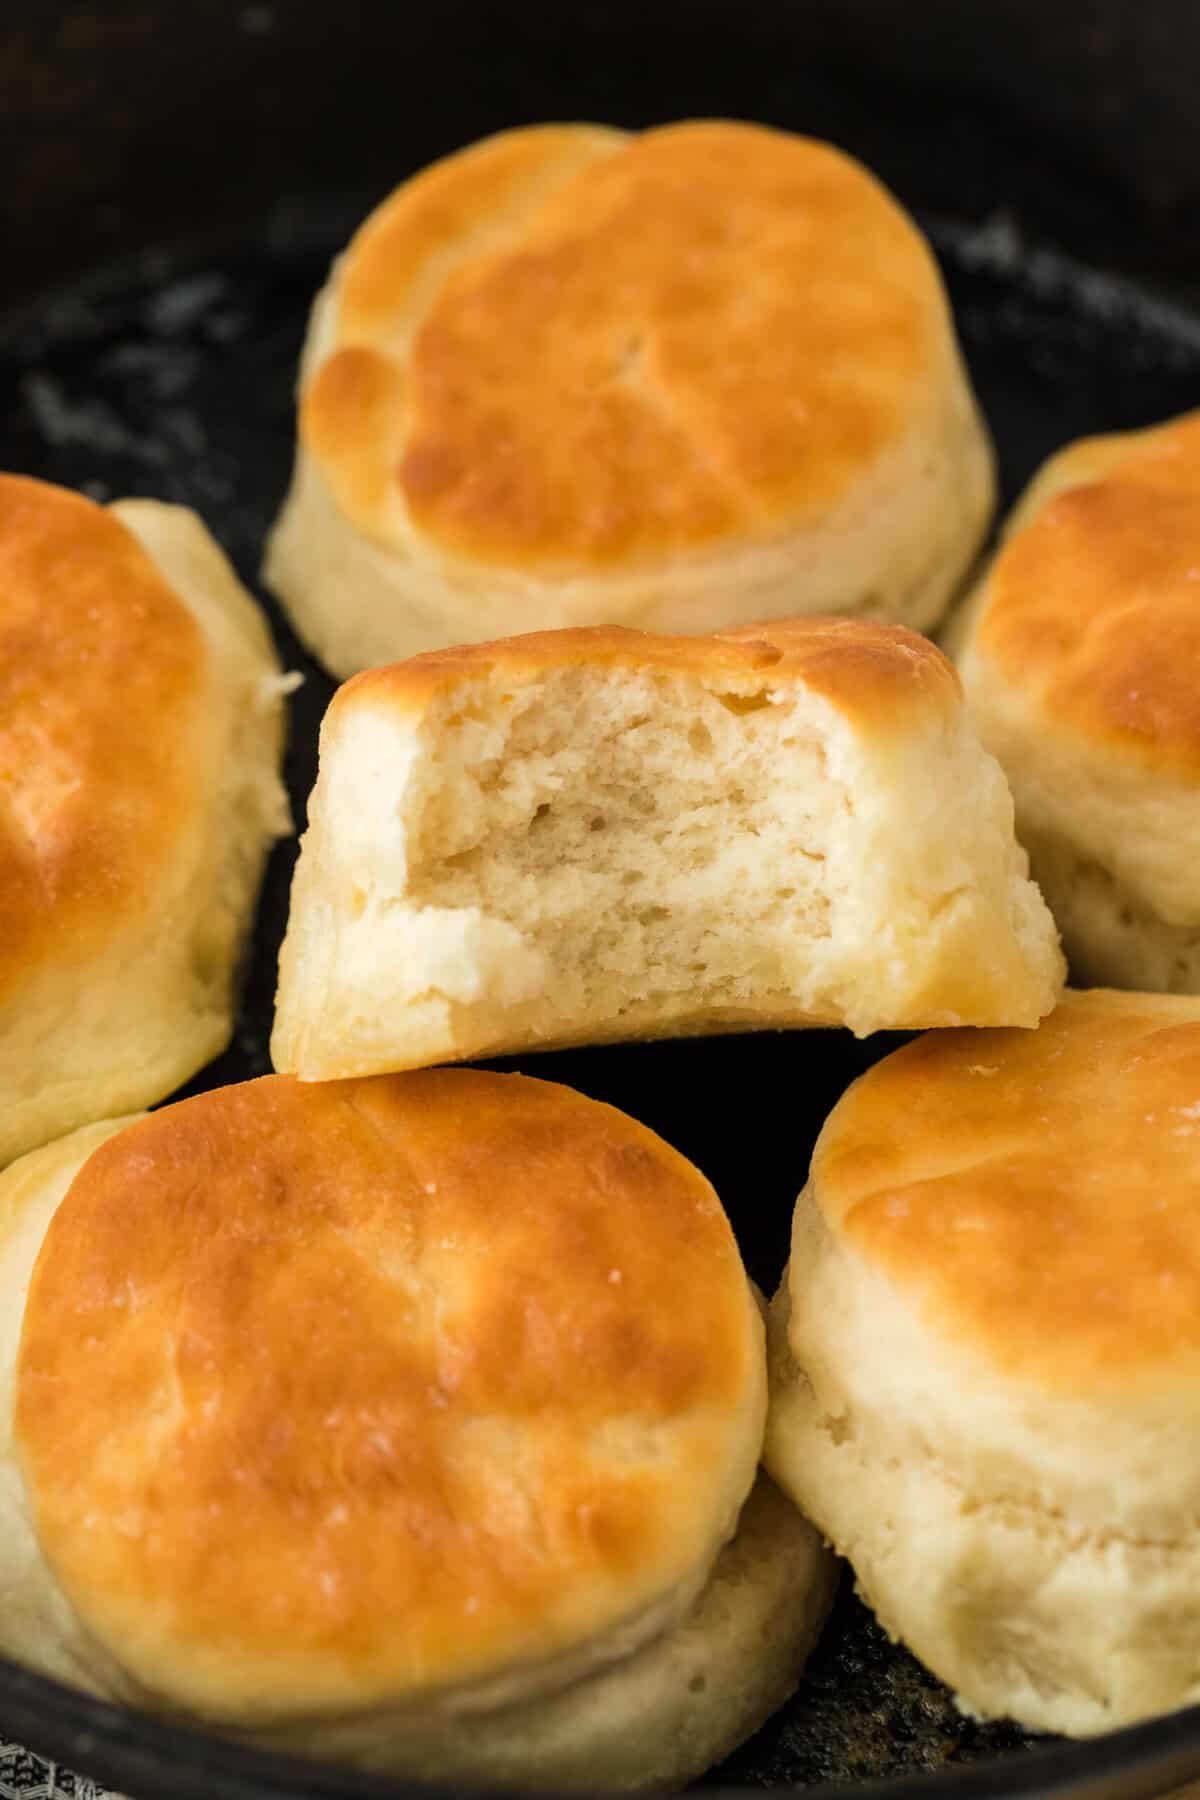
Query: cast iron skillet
x,y
170,374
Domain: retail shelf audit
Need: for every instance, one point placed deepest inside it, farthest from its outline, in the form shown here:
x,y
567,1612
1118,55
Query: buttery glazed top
x,y
567,347
1037,1191
365,1390
96,653
882,678
1093,605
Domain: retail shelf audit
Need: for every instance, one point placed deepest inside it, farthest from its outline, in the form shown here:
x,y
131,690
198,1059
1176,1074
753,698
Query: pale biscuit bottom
x,y
1112,938
1062,1623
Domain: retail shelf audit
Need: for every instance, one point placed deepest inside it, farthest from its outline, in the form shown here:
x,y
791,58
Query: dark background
x,y
125,122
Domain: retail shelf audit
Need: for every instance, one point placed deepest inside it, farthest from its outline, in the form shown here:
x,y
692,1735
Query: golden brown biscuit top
x,y
1093,608
565,348
101,668
881,677
349,1391
1038,1190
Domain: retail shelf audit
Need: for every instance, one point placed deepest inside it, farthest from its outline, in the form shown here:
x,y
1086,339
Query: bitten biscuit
x,y
597,835
140,736
986,1357
355,1418
1079,654
678,381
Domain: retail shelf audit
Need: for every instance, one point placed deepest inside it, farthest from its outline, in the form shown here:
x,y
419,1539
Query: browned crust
x,y
337,1391
881,675
101,667
585,350
1038,1189
1093,608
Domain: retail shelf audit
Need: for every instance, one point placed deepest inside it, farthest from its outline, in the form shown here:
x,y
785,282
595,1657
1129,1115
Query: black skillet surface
x,y
171,376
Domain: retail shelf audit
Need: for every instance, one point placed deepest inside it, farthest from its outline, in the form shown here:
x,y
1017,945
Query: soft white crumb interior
x,y
593,854
648,842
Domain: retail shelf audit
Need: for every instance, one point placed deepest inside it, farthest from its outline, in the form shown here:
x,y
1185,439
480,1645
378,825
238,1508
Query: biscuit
x,y
595,835
1078,654
986,1357
677,380
140,737
351,1416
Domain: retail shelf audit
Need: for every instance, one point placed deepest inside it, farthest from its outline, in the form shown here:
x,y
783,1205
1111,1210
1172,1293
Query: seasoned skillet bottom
x,y
172,376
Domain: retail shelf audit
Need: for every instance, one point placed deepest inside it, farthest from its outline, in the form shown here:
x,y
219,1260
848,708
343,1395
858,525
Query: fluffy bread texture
x,y
1078,652
678,381
141,727
986,1357
351,1417
597,835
